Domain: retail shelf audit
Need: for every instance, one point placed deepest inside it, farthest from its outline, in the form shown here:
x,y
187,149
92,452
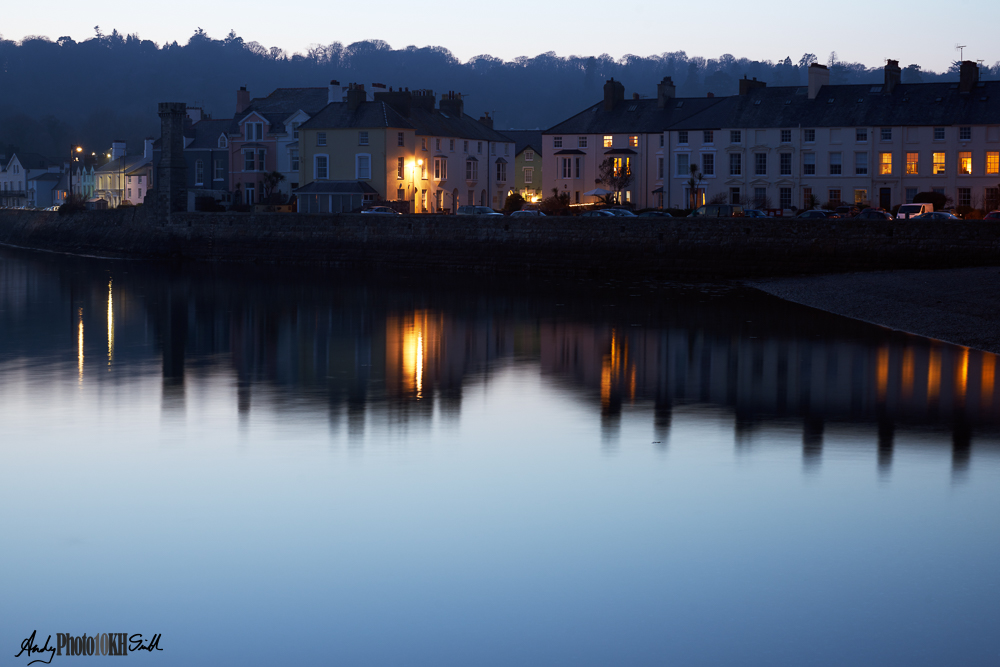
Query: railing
x,y
12,193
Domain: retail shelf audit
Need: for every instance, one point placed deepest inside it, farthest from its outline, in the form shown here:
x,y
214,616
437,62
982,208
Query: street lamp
x,y
73,148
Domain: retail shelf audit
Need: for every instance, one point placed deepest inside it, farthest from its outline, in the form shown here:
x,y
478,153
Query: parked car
x,y
907,211
655,214
469,209
847,211
992,215
753,213
527,214
717,211
817,214
875,214
597,213
381,210
621,212
937,215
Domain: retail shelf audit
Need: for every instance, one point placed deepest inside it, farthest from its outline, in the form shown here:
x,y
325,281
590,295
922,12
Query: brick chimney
x,y
893,75
665,90
819,76
242,99
746,85
333,92
486,120
355,95
968,76
399,100
614,91
451,104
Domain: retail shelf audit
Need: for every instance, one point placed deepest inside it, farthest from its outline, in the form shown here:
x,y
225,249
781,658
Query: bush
x,y
514,203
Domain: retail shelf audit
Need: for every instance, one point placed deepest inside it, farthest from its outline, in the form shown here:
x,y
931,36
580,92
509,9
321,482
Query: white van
x,y
907,211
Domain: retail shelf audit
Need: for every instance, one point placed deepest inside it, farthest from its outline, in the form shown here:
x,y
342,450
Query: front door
x,y
885,198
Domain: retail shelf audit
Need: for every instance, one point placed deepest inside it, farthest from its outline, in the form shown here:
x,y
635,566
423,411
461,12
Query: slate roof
x,y
866,105
205,133
31,160
337,116
132,162
283,102
637,116
525,139
47,176
438,124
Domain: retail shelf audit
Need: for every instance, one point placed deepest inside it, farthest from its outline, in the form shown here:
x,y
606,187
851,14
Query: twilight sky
x,y
911,31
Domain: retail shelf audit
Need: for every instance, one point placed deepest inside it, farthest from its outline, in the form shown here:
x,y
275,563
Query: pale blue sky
x,y
859,31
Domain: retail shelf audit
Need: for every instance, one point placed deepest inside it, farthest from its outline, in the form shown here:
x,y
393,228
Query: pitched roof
x,y
337,115
31,160
285,101
525,139
131,163
436,123
47,176
205,134
638,116
867,105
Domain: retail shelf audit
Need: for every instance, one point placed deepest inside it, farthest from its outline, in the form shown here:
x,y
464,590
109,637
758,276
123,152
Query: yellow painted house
x,y
399,147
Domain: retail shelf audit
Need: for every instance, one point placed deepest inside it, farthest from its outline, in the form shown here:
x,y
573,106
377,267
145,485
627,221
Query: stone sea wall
x,y
621,247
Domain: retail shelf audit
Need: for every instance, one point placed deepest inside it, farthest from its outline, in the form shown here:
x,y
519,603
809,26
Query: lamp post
x,y
73,148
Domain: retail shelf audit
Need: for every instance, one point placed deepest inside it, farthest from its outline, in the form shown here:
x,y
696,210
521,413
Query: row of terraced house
x,y
340,147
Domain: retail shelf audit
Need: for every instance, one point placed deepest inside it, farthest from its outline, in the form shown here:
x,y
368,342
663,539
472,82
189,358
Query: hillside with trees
x,y
54,93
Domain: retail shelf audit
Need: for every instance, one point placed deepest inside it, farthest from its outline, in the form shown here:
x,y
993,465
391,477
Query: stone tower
x,y
171,175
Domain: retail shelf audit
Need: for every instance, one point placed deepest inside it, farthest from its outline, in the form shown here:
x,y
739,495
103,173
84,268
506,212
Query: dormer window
x,y
223,142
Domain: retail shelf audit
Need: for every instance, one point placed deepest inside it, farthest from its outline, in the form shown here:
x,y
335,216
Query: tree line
x,y
54,93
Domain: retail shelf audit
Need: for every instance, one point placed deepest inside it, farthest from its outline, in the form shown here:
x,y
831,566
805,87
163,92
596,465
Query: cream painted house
x,y
399,147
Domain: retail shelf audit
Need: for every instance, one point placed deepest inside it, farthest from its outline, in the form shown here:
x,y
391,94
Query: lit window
x,y
993,162
861,196
633,141
965,163
399,168
608,141
939,164
885,163
912,163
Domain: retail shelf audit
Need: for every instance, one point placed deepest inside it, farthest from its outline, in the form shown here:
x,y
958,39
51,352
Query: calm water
x,y
284,467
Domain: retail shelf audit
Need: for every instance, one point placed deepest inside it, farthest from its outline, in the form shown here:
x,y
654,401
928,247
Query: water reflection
x,y
407,349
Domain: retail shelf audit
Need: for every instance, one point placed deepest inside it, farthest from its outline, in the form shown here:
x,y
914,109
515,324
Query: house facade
x,y
789,148
124,179
16,174
528,172
427,158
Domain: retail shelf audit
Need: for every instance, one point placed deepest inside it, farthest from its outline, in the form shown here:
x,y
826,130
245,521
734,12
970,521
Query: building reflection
x,y
402,353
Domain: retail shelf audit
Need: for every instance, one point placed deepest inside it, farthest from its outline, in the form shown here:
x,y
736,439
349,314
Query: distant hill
x,y
53,94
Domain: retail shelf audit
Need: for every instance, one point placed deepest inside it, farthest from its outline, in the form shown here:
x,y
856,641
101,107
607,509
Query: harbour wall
x,y
600,246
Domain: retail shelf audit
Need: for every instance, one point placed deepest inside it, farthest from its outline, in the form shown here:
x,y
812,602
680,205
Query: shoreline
x,y
956,306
